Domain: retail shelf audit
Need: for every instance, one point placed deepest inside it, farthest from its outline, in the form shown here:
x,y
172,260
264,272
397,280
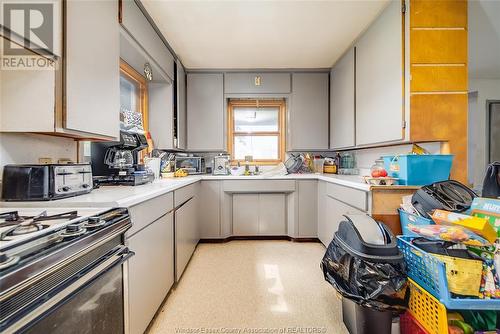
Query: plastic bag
x,y
378,285
456,234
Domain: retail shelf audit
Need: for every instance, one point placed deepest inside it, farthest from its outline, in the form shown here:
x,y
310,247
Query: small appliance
x,y
192,165
45,182
221,165
116,163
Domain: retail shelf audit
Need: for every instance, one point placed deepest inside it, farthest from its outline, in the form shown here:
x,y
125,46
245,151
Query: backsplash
x,y
27,148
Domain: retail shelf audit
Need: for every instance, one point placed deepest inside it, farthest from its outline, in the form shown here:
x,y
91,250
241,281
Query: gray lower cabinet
x,y
257,83
259,214
187,234
210,209
307,208
205,112
308,114
150,271
333,215
342,104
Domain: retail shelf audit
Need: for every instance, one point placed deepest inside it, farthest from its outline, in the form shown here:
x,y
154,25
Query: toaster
x,y
45,182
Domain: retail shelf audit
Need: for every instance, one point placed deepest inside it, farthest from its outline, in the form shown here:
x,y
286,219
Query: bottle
x,y
338,163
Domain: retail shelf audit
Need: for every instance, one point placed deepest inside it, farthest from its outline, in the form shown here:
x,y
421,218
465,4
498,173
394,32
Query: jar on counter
x,y
378,169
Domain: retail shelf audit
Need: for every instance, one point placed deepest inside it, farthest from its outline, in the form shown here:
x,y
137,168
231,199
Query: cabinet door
x,y
181,108
272,214
245,214
308,209
150,271
379,79
334,211
205,112
186,234
342,117
308,114
257,83
210,209
92,83
161,114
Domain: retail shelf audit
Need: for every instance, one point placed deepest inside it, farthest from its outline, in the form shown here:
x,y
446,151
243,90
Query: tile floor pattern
x,y
252,287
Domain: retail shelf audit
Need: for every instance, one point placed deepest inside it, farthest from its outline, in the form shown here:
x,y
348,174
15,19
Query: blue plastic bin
x,y
408,218
430,273
418,170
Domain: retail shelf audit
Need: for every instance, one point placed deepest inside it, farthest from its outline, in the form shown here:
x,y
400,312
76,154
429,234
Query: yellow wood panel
x,y
442,117
438,78
433,14
438,46
387,201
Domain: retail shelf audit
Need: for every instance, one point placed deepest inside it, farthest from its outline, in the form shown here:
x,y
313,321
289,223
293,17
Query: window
x,y
133,98
256,128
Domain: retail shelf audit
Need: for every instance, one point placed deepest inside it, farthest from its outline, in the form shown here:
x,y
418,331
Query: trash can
x,y
364,264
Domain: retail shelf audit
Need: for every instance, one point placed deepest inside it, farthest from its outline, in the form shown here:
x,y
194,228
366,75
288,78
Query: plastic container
x,y
364,320
427,310
418,170
318,164
430,274
408,218
410,325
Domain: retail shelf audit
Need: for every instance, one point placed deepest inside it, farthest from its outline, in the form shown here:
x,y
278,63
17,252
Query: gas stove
x,y
45,253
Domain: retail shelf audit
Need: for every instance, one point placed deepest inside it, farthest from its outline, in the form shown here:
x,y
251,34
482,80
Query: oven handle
x,y
118,257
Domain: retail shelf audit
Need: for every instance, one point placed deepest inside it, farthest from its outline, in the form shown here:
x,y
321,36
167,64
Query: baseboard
x,y
257,237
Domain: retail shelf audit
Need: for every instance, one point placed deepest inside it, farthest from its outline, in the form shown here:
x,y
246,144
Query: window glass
x,y
128,95
259,147
254,119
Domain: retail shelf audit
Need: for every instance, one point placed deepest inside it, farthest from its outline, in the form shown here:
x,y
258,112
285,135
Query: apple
x,y
383,173
376,173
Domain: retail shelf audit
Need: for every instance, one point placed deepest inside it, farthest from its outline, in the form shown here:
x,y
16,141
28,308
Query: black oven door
x,y
92,304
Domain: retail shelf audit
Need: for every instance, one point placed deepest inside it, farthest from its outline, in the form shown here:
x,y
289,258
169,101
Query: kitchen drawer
x,y
254,83
146,212
259,186
183,194
350,196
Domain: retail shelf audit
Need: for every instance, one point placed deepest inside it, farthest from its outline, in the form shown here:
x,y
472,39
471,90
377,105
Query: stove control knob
x,y
85,185
65,188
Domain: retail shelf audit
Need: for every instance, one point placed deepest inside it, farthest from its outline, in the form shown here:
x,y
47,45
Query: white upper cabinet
x,y
379,79
92,83
342,104
308,112
181,107
205,112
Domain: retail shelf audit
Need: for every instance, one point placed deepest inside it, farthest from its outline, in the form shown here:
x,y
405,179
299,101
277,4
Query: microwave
x,y
192,165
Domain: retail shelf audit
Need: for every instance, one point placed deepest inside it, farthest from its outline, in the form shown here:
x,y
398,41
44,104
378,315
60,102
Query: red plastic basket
x,y
410,325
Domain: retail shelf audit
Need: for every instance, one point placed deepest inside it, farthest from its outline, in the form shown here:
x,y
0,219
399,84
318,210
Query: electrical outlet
x,y
44,161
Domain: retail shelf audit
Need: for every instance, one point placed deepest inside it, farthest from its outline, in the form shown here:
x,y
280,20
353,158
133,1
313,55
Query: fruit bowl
x,y
380,181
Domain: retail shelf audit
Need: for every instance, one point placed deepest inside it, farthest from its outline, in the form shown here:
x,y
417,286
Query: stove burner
x,y
94,222
72,231
7,261
22,229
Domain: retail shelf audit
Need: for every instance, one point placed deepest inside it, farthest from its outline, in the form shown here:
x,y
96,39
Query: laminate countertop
x,y
127,196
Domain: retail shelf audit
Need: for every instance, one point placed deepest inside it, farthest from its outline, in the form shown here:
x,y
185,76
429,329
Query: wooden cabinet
x,y
257,83
187,232
379,79
259,214
150,271
181,107
210,209
205,112
308,112
80,100
307,208
342,104
137,25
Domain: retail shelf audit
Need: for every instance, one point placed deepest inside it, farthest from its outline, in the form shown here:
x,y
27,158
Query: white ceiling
x,y
484,39
261,34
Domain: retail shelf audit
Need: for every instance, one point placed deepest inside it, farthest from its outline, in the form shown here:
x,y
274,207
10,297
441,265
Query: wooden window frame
x,y
255,103
142,102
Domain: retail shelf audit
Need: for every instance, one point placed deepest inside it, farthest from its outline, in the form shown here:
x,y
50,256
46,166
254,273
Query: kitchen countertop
x,y
127,196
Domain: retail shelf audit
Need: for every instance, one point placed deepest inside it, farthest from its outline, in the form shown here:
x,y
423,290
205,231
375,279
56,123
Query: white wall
x,y
480,91
27,148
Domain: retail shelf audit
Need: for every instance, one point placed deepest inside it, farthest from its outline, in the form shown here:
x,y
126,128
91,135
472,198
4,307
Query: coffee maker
x,y
117,163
